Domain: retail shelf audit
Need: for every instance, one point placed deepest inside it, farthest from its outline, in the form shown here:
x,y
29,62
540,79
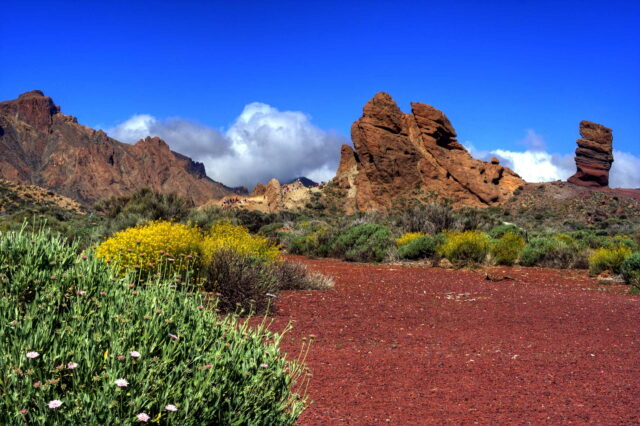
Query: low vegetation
x,y
84,344
468,247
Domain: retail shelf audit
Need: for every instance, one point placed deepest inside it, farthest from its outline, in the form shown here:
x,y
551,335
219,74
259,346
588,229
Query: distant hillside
x,y
40,145
16,197
566,206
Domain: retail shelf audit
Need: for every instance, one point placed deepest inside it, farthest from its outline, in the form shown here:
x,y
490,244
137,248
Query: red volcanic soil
x,y
401,345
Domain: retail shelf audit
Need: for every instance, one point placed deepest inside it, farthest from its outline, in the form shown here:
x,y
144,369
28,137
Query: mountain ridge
x,y
41,146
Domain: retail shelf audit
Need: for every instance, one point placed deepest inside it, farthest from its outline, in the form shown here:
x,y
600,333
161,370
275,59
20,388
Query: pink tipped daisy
x,y
263,365
121,383
170,407
81,292
32,355
143,417
173,336
134,354
72,365
55,403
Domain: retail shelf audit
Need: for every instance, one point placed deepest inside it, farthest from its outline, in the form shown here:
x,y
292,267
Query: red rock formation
x,y
594,155
41,146
401,155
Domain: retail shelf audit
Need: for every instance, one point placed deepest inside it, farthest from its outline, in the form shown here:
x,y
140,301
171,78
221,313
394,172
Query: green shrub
x,y
506,249
420,248
631,269
611,259
85,329
498,231
465,247
363,243
314,239
142,206
552,253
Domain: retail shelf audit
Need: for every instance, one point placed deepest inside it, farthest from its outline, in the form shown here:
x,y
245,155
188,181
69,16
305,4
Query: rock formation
x,y
270,198
594,155
41,146
401,155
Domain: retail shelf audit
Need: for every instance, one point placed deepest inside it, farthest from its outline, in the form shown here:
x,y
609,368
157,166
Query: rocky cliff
x,y
39,145
594,155
401,155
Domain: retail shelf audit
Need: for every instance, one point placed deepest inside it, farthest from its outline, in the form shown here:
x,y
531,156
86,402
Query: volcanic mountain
x,y
398,155
41,146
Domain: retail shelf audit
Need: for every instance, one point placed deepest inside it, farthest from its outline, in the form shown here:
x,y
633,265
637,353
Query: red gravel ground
x,y
403,345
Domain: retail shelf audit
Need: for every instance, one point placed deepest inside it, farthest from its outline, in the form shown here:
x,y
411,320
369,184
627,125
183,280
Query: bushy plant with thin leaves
x,y
80,345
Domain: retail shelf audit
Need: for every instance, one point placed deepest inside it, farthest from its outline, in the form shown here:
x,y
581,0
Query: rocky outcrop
x,y
401,155
39,145
271,198
594,155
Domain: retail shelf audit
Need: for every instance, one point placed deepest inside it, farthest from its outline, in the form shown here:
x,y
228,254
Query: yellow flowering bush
x,y
146,247
608,258
465,247
227,236
406,238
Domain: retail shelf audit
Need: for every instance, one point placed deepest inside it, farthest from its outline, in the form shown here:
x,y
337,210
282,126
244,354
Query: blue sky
x,y
501,70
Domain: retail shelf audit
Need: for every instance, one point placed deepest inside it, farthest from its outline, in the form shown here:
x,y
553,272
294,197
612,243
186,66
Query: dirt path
x,y
398,345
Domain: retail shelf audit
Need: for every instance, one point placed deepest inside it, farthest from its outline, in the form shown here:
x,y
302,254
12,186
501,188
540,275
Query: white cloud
x,y
262,143
535,164
625,171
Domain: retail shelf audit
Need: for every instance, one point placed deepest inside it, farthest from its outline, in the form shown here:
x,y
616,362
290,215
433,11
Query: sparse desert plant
x,y
420,248
241,282
226,236
429,218
87,348
631,269
506,249
152,246
608,258
296,276
363,243
465,247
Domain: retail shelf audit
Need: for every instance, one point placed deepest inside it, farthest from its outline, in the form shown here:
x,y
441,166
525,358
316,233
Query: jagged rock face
x,y
594,155
401,155
41,146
